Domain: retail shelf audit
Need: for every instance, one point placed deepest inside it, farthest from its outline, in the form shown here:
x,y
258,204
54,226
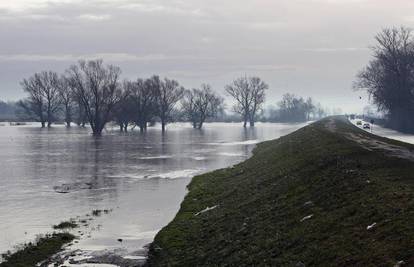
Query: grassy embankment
x,y
311,198
31,254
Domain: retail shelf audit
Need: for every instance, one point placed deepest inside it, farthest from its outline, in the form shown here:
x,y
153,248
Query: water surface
x,y
142,178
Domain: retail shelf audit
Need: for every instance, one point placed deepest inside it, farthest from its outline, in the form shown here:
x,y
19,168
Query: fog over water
x,y
142,178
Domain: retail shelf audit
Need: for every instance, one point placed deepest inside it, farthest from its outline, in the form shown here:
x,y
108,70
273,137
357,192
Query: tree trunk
x,y
252,117
142,126
163,126
252,121
49,117
97,132
68,118
245,121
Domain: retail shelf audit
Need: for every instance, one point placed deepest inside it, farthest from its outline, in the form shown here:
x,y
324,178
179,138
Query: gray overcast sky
x,y
308,47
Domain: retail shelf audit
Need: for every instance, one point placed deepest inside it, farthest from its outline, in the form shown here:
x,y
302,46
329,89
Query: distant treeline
x,y
389,77
91,93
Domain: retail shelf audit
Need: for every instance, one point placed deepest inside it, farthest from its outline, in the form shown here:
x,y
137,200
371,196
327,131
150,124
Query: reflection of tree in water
x,y
102,159
249,134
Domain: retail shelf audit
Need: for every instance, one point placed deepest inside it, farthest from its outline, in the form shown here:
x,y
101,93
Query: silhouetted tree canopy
x,y
389,77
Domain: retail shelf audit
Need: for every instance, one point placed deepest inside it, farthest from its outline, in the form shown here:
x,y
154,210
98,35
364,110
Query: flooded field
x,y
51,175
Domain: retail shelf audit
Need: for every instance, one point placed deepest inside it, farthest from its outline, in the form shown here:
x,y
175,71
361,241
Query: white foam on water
x,y
134,257
199,158
188,173
227,154
157,157
243,143
177,174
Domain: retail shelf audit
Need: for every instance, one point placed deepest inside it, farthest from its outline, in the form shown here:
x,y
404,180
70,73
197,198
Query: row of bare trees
x,y
92,93
144,101
91,87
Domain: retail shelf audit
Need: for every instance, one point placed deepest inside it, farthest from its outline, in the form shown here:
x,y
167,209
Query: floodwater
x,y
51,175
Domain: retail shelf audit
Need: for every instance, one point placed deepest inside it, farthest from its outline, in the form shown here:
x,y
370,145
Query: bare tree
x,y
258,88
124,111
144,96
97,86
249,94
49,84
33,106
240,91
189,106
66,94
168,93
79,111
200,104
43,100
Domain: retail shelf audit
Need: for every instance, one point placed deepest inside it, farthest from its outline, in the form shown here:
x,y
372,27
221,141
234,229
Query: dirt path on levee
x,y
371,143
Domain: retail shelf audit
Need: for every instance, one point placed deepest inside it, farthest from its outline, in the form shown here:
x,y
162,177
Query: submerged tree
x,y
249,94
33,106
80,117
258,88
124,112
97,87
43,99
143,94
240,91
168,93
389,77
49,83
201,104
66,94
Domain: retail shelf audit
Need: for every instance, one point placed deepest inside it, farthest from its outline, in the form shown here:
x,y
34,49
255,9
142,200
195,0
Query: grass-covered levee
x,y
317,197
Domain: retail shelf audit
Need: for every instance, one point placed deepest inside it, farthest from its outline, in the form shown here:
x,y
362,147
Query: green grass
x,y
262,201
31,254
